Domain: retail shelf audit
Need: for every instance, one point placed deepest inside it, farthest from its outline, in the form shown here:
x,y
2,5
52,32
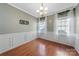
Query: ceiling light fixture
x,y
42,10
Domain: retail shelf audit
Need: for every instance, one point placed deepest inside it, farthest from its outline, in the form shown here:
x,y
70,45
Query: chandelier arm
x,y
42,10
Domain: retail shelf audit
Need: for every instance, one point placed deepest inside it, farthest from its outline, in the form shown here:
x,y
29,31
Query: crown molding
x,y
47,15
21,9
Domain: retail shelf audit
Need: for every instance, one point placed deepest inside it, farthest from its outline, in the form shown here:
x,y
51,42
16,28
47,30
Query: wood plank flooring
x,y
41,47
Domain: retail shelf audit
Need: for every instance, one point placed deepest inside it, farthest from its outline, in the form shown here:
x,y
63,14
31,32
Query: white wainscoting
x,y
76,46
10,41
68,40
4,42
71,40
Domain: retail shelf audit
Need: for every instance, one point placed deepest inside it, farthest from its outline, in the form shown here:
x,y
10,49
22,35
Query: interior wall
x,y
9,20
50,23
77,28
77,19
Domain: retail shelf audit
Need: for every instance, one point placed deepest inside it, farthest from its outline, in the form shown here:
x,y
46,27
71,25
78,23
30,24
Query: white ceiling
x,y
31,8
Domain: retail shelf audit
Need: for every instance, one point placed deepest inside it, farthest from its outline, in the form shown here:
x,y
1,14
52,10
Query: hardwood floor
x,y
41,47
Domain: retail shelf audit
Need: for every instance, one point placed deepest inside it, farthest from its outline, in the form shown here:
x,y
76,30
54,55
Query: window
x,y
62,23
42,25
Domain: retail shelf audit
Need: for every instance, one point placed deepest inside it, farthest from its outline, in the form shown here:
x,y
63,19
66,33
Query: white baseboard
x,y
71,41
25,38
77,50
68,40
15,47
48,36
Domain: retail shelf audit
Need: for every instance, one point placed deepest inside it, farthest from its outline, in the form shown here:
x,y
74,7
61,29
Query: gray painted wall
x,y
77,19
50,23
77,29
9,20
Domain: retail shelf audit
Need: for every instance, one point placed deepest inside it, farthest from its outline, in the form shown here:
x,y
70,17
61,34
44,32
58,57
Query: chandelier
x,y
42,10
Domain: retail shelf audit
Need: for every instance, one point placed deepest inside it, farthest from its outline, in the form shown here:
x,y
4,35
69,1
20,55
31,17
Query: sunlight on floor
x,y
61,53
42,49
